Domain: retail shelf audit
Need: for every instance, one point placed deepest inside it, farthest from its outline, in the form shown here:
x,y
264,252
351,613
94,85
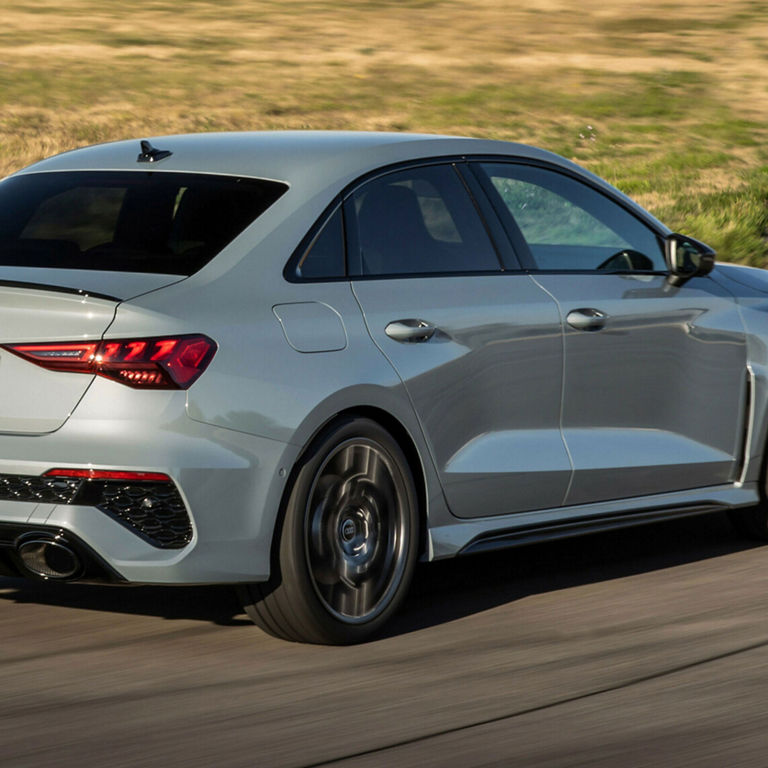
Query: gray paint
x,y
486,387
35,400
639,414
311,326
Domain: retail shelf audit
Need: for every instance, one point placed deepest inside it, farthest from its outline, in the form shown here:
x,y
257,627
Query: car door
x,y
479,349
655,378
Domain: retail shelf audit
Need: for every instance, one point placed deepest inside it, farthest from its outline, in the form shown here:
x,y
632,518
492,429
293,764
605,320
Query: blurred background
x,y
644,647
667,99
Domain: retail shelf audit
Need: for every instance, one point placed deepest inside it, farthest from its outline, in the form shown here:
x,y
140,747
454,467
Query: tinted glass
x,y
567,225
325,255
417,221
137,221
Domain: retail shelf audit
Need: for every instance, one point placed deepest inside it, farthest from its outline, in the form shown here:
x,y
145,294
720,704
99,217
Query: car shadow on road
x,y
452,589
212,604
441,591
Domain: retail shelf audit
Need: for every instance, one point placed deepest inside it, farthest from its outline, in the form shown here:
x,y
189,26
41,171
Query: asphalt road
x,y
646,647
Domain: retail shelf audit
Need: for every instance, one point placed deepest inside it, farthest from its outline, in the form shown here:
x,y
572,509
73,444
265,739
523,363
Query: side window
x,y
567,225
325,255
417,221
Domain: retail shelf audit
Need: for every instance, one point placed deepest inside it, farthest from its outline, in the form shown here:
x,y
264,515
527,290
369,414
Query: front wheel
x,y
348,543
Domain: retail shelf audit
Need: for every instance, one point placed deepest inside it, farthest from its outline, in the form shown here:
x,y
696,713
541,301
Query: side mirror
x,y
687,258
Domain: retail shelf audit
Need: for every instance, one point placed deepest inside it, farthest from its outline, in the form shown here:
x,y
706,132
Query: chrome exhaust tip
x,y
48,558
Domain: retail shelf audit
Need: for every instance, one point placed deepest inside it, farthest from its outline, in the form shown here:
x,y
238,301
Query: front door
x,y
654,375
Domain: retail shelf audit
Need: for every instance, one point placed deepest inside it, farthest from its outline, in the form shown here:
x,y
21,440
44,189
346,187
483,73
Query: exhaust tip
x,y
49,558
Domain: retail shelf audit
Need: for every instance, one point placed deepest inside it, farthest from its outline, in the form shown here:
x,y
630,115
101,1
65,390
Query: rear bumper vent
x,y
154,511
46,490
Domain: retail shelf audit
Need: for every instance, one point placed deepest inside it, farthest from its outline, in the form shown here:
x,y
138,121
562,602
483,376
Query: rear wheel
x,y
348,543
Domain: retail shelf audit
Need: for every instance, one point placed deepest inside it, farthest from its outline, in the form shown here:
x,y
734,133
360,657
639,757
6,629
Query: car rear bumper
x,y
228,484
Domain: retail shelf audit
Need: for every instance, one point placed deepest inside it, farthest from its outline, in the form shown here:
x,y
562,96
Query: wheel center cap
x,y
348,530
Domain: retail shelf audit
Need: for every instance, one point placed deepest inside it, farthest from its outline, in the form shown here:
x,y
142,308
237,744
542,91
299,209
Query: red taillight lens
x,y
168,362
59,356
109,474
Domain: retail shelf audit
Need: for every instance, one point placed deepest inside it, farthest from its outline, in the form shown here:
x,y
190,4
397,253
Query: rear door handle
x,y
586,319
410,330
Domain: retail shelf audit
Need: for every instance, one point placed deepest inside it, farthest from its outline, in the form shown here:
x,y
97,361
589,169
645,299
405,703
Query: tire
x,y
348,542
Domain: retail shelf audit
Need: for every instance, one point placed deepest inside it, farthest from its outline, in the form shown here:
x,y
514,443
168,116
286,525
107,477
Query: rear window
x,y
130,221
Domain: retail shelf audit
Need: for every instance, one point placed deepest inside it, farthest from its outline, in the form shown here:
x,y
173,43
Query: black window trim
x,y
497,237
508,241
290,271
505,249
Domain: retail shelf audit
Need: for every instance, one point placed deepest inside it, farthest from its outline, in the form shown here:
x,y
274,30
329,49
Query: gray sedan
x,y
300,362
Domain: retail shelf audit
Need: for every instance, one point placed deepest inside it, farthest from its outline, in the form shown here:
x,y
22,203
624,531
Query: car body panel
x,y
93,282
486,387
638,393
224,477
311,326
35,400
749,286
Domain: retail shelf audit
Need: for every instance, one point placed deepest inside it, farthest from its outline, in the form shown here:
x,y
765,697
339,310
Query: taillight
x,y
166,362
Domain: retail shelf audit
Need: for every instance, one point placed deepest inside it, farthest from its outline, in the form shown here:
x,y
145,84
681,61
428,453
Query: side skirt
x,y
490,533
523,536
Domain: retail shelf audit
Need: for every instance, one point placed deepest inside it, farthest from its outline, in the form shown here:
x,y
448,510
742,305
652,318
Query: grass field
x,y
668,99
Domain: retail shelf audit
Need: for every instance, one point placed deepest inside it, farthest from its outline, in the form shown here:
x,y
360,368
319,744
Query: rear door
x,y
655,375
479,349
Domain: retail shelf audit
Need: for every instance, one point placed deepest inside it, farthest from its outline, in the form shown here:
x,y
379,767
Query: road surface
x,y
644,647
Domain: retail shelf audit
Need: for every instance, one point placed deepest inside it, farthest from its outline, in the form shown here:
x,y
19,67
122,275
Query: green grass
x,y
667,100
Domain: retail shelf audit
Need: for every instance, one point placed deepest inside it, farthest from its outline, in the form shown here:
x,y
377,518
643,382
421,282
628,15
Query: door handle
x,y
410,330
586,319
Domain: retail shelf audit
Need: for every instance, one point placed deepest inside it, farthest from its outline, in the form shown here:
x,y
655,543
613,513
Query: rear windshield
x,y
129,221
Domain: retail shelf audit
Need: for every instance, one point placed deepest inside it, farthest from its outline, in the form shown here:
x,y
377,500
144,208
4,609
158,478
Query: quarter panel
x,y
311,326
261,384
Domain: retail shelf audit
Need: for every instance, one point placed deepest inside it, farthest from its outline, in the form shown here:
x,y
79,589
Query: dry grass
x,y
667,98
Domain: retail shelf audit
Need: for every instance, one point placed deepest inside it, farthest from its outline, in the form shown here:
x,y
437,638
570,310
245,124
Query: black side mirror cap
x,y
687,258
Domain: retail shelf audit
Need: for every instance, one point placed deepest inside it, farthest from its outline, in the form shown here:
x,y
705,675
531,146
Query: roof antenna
x,y
151,155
